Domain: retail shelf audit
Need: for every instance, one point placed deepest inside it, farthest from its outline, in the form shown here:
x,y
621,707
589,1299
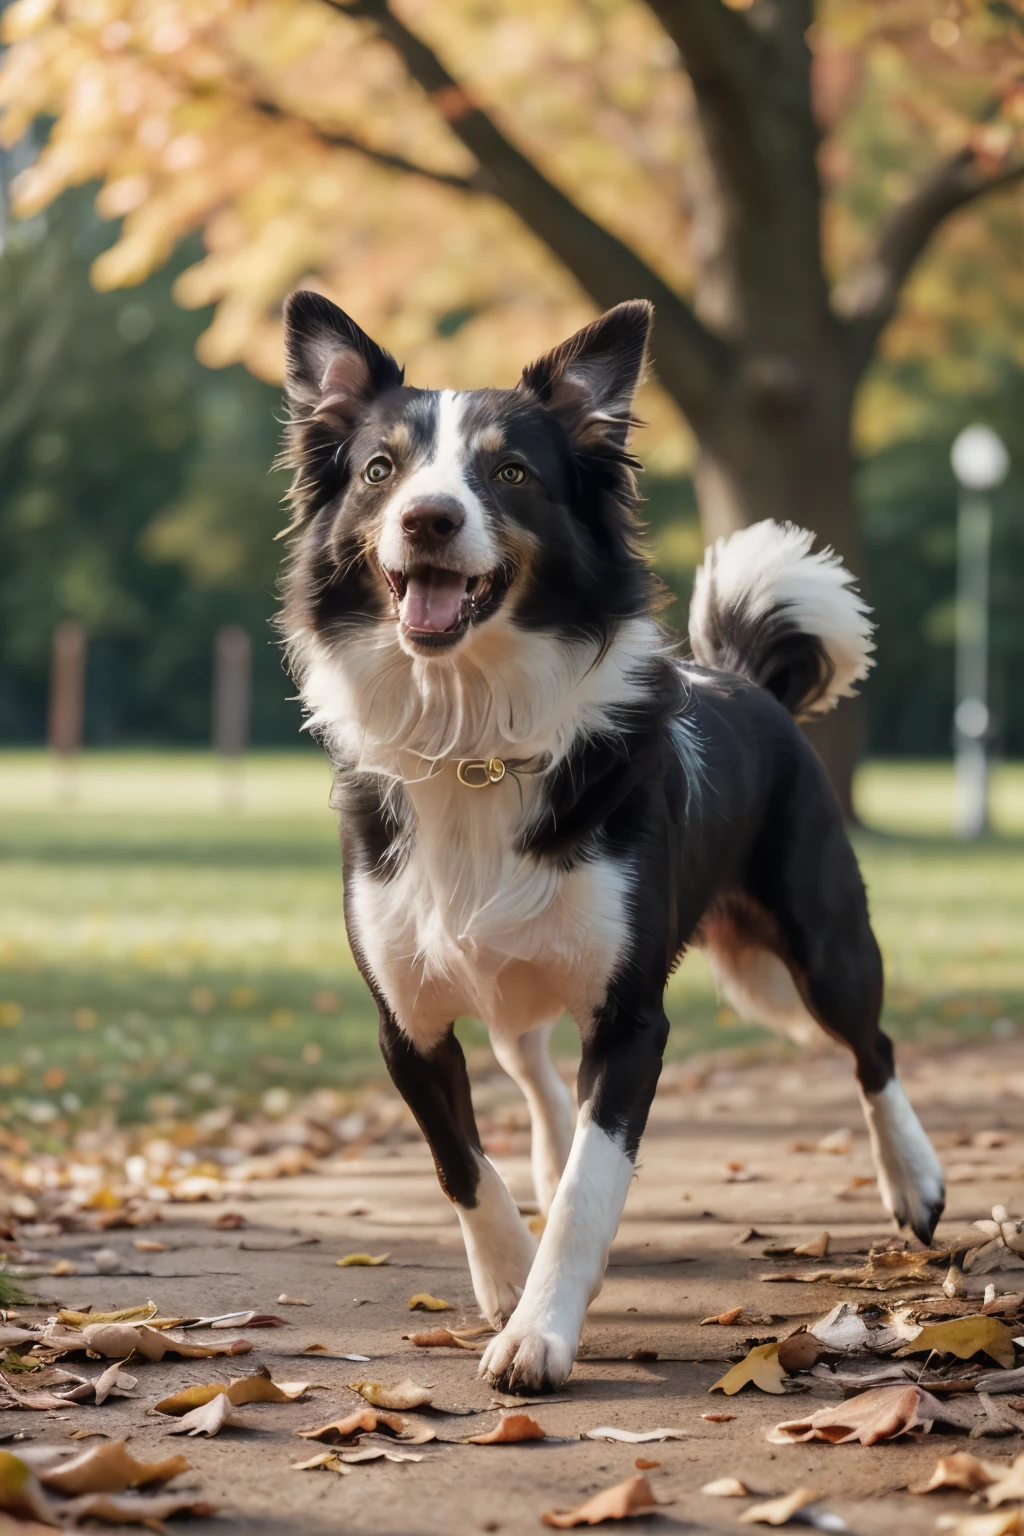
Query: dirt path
x,y
678,1258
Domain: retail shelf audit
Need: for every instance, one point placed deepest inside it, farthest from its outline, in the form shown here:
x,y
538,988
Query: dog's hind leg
x,y
435,1085
528,1063
808,890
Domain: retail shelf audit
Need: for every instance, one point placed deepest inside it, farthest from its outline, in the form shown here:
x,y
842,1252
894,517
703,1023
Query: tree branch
x,y
867,299
691,359
478,183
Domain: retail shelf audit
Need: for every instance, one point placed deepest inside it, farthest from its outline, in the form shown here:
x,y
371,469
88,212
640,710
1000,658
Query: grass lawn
x,y
171,939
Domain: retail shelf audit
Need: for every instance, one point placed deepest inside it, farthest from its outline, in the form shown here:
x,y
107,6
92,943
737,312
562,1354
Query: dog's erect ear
x,y
332,367
590,380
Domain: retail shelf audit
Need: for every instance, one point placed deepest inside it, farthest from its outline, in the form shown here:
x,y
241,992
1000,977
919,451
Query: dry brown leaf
x,y
148,1245
964,1337
362,1259
814,1250
633,1497
726,1488
210,1418
799,1352
401,1395
779,1511
718,1418
375,1453
21,1493
284,1300
644,1464
118,1340
733,1315
424,1302
880,1414
135,1508
439,1338
1008,1485
510,1429
114,1378
366,1421
761,1367
960,1470
258,1388
109,1469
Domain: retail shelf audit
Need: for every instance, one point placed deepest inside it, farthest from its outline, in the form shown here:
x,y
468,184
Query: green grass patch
x,y
171,939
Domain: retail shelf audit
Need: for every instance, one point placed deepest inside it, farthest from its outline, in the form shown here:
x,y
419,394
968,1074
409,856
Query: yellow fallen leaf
x,y
109,1469
21,1493
401,1396
633,1497
325,1459
726,1488
761,1367
362,1259
511,1429
258,1388
440,1338
139,1314
778,1511
424,1302
964,1337
961,1470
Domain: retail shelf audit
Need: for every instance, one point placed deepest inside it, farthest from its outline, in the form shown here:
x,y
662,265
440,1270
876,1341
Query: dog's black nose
x,y
434,520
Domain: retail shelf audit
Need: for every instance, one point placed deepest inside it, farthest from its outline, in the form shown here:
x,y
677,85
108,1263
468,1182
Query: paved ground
x,y
678,1257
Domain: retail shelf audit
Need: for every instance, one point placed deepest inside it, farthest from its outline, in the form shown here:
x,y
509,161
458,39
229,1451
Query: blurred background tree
x,y
471,180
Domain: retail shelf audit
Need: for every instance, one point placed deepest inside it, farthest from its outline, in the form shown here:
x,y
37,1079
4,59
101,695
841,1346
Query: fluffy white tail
x,y
791,620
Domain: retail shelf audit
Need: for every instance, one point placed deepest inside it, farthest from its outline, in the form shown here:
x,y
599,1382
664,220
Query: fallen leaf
x,y
365,1421
88,1434
883,1272
761,1367
322,1459
1010,1485
114,1378
1002,1381
880,1414
402,1395
423,1302
726,1488
135,1508
636,1436
799,1352
148,1245
510,1429
842,1329
964,1337
779,1511
362,1259
733,1315
376,1453
258,1388
332,1354
814,1250
439,1338
960,1470
118,1340
633,1497
644,1464
21,1493
138,1314
284,1300
110,1469
718,1418
210,1418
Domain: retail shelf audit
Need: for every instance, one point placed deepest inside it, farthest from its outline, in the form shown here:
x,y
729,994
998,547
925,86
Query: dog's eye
x,y
510,474
377,470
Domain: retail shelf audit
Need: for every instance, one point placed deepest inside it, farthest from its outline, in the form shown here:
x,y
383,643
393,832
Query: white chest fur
x,y
468,925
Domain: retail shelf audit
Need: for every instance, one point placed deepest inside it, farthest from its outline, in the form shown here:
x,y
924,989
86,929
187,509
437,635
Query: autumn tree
x,y
471,178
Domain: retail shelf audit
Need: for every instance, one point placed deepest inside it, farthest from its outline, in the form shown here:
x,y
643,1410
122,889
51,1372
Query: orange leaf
x,y
510,1429
633,1497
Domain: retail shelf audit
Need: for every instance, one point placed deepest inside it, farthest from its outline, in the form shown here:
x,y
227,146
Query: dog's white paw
x,y
528,1359
910,1178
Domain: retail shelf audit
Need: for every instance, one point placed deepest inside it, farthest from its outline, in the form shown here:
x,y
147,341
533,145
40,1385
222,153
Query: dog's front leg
x,y
435,1085
618,1075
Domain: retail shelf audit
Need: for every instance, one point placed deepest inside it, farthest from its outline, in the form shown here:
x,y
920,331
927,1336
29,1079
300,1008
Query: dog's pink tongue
x,y
432,600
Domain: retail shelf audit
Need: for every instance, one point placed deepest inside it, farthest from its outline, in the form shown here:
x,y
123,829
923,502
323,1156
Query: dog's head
x,y
436,510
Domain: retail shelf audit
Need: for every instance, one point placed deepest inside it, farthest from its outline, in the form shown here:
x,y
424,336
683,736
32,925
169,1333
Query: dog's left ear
x,y
333,369
590,380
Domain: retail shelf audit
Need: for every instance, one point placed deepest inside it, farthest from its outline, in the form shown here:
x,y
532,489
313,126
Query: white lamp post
x,y
980,462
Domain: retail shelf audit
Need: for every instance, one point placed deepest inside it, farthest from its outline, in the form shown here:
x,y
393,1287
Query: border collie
x,y
542,807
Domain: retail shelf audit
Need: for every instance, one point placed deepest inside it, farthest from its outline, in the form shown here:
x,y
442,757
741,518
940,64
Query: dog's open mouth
x,y
435,607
